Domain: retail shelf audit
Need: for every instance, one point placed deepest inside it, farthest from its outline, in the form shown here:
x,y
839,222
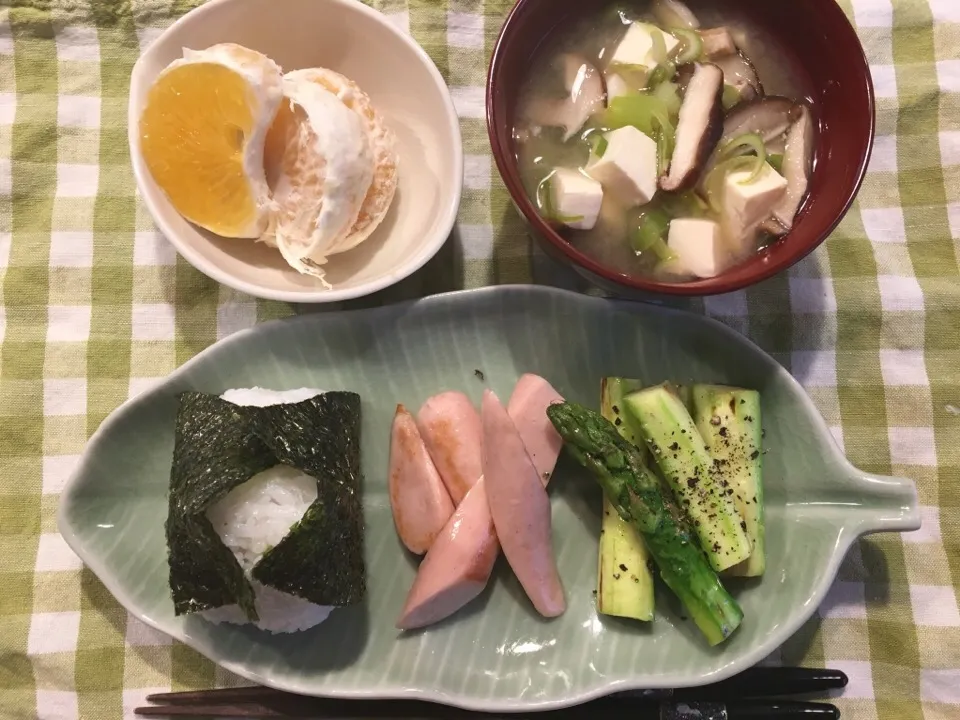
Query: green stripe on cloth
x,y
21,363
196,311
771,321
100,640
428,26
98,666
512,244
33,179
933,254
114,211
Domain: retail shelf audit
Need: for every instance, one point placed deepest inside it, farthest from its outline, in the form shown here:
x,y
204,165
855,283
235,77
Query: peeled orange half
x,y
302,162
332,167
202,135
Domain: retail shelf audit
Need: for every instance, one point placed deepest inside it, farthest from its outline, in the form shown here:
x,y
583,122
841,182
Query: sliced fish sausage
x,y
450,427
459,563
419,500
528,409
520,508
457,566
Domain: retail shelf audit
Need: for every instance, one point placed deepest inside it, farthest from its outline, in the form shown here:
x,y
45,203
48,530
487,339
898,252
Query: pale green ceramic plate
x,y
495,654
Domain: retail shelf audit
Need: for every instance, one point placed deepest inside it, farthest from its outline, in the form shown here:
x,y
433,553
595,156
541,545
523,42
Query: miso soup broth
x,y
666,141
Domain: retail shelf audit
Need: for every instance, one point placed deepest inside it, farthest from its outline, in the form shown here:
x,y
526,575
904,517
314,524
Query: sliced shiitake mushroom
x,y
698,130
682,78
718,42
739,72
768,117
776,145
797,165
585,88
771,226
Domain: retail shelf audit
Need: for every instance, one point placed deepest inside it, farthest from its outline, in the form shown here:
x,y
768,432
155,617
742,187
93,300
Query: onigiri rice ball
x,y
256,516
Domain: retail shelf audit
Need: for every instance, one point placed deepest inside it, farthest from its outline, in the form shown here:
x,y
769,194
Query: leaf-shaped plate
x,y
496,654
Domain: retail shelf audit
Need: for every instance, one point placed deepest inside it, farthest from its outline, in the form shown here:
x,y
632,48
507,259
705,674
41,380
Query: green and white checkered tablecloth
x,y
96,306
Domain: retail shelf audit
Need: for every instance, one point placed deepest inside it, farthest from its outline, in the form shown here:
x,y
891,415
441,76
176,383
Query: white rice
x,y
255,516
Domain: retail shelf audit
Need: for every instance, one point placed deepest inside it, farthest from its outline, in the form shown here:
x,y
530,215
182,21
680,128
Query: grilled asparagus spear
x,y
637,495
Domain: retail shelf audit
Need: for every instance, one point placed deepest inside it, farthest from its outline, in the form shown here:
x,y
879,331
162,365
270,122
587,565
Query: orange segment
x,y
383,141
293,169
297,168
194,135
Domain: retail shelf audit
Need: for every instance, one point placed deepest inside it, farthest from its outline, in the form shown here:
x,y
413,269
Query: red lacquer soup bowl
x,y
827,60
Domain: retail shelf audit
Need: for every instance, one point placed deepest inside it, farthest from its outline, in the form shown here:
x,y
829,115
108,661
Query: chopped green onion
x,y
622,67
713,186
544,200
659,43
683,205
691,45
649,115
753,165
544,197
645,112
744,144
659,49
755,168
731,96
648,235
634,75
664,152
662,250
713,183
598,144
662,73
776,160
669,94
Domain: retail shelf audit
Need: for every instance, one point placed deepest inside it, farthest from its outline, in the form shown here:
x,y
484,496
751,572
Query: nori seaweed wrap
x,y
219,446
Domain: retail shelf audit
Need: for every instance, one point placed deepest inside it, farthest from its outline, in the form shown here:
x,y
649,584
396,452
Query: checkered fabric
x,y
96,306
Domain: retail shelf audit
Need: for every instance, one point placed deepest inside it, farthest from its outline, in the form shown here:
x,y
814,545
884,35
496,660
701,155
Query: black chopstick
x,y
219,695
771,710
768,682
733,696
637,710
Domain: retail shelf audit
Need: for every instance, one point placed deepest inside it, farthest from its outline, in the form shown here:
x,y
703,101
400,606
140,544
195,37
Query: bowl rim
x,y
445,222
697,288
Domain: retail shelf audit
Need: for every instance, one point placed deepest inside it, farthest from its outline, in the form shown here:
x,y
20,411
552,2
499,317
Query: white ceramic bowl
x,y
405,86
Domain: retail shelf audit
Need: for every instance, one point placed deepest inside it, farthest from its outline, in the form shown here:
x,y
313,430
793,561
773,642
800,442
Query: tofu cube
x,y
636,47
628,167
698,246
576,198
747,203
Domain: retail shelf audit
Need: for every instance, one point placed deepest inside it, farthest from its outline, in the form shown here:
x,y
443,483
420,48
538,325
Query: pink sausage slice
x,y
528,409
450,426
459,563
418,498
457,566
520,508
